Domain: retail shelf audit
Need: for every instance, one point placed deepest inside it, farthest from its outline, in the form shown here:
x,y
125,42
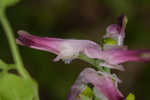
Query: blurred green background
x,y
79,19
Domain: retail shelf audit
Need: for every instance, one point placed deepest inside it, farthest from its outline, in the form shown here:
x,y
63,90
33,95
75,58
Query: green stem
x,y
14,49
15,53
95,63
107,70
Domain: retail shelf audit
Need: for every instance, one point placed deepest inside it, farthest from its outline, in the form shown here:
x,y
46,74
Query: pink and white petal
x,y
65,49
105,85
117,31
41,43
92,52
113,29
118,56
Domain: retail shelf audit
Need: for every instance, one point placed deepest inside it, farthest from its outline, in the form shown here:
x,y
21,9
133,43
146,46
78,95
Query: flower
x,y
65,49
102,82
116,56
114,52
69,49
117,31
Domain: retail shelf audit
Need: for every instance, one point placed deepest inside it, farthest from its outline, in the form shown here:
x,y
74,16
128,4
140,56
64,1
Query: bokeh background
x,y
78,19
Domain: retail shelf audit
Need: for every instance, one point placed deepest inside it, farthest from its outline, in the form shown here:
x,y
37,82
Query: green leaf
x,y
3,65
13,87
6,3
130,97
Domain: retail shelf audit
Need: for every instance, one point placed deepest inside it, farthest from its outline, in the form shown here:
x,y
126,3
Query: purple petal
x,y
41,43
103,83
118,28
78,86
118,56
65,49
113,28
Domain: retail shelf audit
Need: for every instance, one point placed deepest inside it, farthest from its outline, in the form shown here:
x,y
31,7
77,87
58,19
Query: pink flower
x,y
114,52
69,49
102,82
65,49
116,56
117,31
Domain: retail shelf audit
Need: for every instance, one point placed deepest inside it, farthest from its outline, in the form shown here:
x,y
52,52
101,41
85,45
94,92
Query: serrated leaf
x,y
6,3
130,97
13,87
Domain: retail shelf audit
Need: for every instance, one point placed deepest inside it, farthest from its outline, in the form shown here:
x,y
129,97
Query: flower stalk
x,y
95,63
12,43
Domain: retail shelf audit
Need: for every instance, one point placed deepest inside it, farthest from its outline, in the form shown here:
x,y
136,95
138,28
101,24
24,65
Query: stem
x,y
107,70
12,43
15,53
93,62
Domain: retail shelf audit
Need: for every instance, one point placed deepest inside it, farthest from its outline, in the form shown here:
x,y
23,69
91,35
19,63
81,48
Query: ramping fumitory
x,y
65,49
117,31
112,54
69,49
104,84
